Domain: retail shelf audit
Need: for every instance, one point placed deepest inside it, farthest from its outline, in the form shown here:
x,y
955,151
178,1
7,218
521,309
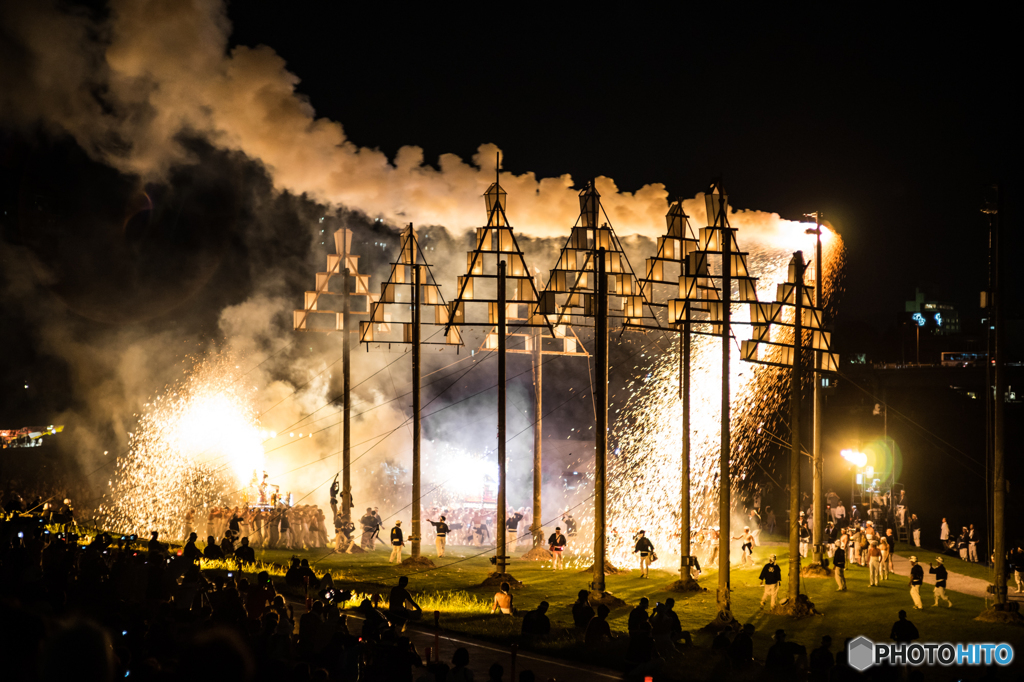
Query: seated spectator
x,y
784,657
156,548
598,630
536,623
374,622
460,671
503,600
244,554
212,552
227,545
398,612
582,611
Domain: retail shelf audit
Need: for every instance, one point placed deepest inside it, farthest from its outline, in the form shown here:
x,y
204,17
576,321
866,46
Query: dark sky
x,y
892,127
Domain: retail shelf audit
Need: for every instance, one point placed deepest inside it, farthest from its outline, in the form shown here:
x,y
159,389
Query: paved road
x,y
957,582
483,654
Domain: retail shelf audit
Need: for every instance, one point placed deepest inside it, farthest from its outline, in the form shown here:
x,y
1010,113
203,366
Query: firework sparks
x,y
196,444
646,473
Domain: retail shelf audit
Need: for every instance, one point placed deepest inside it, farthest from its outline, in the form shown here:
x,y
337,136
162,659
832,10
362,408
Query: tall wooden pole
x,y
538,440
601,396
684,387
416,503
999,416
794,420
346,387
501,510
817,457
724,501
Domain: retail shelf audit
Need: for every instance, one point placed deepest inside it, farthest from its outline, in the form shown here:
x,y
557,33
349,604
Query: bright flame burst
x,y
197,444
646,477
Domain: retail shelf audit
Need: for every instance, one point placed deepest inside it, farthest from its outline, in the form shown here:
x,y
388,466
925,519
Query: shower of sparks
x,y
197,444
645,462
461,477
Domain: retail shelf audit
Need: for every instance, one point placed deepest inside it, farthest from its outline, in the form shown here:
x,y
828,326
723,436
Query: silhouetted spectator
x,y
244,554
598,630
191,553
638,615
496,673
398,612
783,656
822,660
460,671
536,623
582,611
741,651
903,630
212,552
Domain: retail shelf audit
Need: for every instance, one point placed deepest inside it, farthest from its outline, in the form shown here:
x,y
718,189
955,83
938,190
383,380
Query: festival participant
x,y
442,534
747,546
839,564
287,537
962,543
646,550
883,564
941,575
874,564
503,600
187,527
944,533
397,542
368,522
915,530
890,540
972,545
556,543
380,524
335,487
771,576
512,520
916,580
321,527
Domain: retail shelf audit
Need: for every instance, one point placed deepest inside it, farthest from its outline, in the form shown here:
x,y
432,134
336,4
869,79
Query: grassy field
x,y
862,610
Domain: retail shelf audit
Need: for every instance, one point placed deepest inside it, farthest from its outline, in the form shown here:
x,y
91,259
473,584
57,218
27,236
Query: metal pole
x,y
818,458
684,386
794,420
416,504
538,393
999,415
501,510
724,503
601,395
346,387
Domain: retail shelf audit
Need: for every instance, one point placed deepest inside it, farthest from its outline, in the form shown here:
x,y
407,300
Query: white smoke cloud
x,y
127,90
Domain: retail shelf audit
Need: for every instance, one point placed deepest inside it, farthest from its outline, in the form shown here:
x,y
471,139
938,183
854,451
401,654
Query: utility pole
x,y
416,501
724,482
794,420
538,440
999,413
684,386
601,443
346,387
501,510
817,456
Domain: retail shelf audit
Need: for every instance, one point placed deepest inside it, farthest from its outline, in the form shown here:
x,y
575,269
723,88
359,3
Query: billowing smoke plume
x,y
220,174
129,88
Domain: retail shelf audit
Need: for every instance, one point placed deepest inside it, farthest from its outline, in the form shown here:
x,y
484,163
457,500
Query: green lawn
x,y
953,564
862,610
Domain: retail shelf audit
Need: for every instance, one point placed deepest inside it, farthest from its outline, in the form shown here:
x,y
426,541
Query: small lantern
x,y
716,202
495,198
